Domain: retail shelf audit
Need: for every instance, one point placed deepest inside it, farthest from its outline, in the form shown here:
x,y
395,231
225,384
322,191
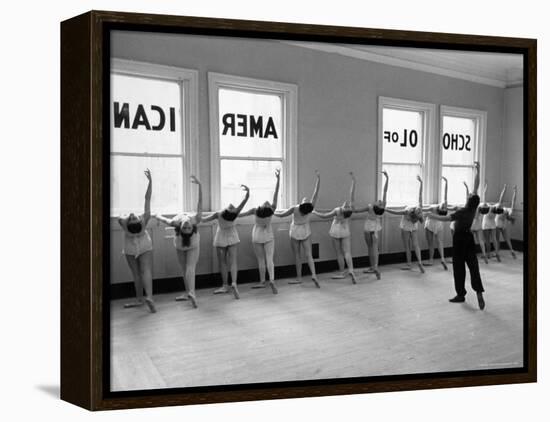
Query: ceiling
x,y
495,69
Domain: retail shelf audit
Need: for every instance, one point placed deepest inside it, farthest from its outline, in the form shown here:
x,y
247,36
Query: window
x,y
462,143
253,127
405,132
152,125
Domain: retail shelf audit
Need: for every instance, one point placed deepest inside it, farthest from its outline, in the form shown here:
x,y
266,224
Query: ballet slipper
x,y
260,285
498,258
513,254
378,275
421,267
235,291
485,259
444,265
182,297
273,287
369,270
314,279
151,305
193,300
135,304
221,290
353,279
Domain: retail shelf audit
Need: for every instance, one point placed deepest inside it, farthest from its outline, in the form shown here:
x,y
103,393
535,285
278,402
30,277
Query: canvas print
x,y
292,211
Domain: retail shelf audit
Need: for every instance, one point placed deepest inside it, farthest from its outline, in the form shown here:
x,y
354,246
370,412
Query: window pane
x,y
456,193
458,143
402,136
128,184
250,124
403,187
259,176
145,115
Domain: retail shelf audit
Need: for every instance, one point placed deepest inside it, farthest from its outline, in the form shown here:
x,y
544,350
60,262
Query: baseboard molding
x,y
209,281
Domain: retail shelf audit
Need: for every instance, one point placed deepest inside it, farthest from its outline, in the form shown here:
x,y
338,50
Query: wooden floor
x,y
398,325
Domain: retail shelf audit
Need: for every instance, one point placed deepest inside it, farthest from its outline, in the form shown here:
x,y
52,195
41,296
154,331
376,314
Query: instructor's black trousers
x,y
464,253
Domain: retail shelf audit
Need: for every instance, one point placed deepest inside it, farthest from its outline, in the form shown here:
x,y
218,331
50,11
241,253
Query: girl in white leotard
x,y
300,233
226,240
262,237
373,225
340,233
434,229
489,225
138,250
503,217
187,244
410,217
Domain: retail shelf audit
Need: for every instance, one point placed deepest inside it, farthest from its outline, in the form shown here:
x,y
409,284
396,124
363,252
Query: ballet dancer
x,y
187,244
464,247
503,217
300,233
410,217
262,237
372,226
488,225
340,233
226,240
434,229
138,250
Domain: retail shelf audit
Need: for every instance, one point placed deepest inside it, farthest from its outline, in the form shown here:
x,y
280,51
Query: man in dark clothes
x,y
464,247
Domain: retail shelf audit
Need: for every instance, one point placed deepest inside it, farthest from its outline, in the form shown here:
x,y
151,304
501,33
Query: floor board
x,y
398,325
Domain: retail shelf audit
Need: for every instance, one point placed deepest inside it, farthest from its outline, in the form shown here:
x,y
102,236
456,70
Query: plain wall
x,y
337,114
511,171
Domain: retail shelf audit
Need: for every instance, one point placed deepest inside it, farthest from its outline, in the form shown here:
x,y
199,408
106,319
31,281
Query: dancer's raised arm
x,y
276,193
502,193
148,193
446,182
195,181
245,199
316,188
467,191
476,178
419,191
513,204
385,193
352,190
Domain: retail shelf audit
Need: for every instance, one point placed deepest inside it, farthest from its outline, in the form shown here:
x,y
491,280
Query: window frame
x,y
189,112
480,118
427,164
289,97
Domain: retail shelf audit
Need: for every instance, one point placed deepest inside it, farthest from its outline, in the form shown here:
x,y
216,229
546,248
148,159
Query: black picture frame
x,y
85,55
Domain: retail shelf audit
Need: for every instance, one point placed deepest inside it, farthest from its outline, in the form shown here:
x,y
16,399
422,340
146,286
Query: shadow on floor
x,y
50,390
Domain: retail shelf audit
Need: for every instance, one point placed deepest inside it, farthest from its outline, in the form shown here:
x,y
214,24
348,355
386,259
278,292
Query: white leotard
x,y
373,222
262,232
339,228
299,226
